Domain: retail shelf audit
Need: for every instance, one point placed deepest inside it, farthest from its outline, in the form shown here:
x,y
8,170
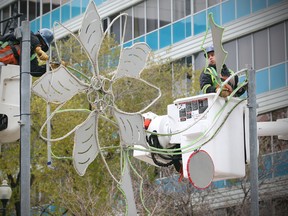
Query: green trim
x,y
33,57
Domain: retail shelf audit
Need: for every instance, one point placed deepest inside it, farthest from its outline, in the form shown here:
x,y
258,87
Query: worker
x,y
208,77
40,43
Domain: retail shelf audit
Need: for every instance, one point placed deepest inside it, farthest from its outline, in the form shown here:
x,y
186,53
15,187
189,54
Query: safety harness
x,y
9,52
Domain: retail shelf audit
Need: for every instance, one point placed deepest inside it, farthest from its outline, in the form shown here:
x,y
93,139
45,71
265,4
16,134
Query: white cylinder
x,y
275,128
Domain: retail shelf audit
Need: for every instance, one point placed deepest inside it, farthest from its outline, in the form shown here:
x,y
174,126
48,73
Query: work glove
x,y
41,54
226,90
55,65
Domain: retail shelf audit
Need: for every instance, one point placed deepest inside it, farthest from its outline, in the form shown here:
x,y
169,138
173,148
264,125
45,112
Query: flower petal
x,y
131,128
85,144
58,86
91,31
133,60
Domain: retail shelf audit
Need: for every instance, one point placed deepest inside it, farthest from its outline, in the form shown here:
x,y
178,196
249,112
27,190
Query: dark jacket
x,y
36,69
208,83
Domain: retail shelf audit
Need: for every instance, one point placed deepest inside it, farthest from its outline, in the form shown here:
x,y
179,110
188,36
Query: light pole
x,y
5,195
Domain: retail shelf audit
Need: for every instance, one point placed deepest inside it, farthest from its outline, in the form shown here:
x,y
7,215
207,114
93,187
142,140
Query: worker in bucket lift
x,y
40,43
208,77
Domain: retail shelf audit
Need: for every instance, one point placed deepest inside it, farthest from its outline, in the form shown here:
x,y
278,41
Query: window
x,y
231,62
55,4
244,52
128,29
277,42
46,6
199,5
179,10
164,12
260,42
200,61
5,15
139,20
152,15
115,28
213,2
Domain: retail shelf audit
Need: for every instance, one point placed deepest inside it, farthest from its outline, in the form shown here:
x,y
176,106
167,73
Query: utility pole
x,y
252,105
25,120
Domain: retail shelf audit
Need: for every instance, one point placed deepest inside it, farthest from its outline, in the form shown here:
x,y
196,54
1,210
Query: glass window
x,y
286,40
271,2
76,8
164,12
165,36
55,4
105,24
277,41
178,9
244,52
55,16
262,81
140,39
188,7
46,21
260,42
152,40
277,76
213,2
128,29
243,8
199,5
258,5
5,15
228,11
65,13
231,62
115,28
200,61
23,9
216,13
152,15
139,20
199,22
84,5
46,6
188,26
179,31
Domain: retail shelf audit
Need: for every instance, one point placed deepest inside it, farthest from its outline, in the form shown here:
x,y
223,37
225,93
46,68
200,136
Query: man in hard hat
x,y
208,77
40,43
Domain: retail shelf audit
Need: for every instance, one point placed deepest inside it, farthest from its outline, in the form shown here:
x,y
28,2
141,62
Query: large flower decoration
x,y
60,85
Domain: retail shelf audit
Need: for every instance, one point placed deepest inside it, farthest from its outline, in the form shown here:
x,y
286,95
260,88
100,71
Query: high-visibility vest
x,y
213,73
7,55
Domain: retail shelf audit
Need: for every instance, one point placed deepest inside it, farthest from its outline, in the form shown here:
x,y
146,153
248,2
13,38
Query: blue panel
x,y
65,13
46,21
179,31
216,14
228,11
266,168
98,2
55,16
262,82
280,163
188,27
152,40
277,76
243,8
84,5
258,5
127,44
271,2
139,39
75,4
35,25
219,184
199,23
165,36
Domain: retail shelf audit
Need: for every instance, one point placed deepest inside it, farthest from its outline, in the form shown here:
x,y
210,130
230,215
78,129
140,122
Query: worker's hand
x,y
55,65
41,54
226,90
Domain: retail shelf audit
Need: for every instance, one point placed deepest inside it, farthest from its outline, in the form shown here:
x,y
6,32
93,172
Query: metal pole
x,y
252,105
25,121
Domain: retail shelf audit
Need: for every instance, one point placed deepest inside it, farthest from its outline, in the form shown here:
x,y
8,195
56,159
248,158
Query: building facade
x,y
255,35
